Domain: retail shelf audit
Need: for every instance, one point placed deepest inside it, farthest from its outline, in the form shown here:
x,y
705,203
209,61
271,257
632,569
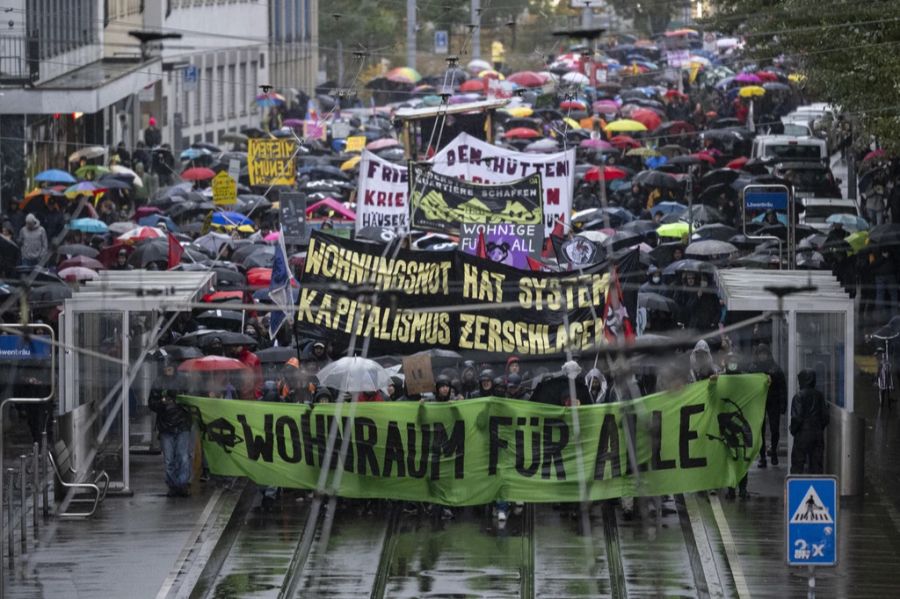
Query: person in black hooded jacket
x,y
809,417
174,424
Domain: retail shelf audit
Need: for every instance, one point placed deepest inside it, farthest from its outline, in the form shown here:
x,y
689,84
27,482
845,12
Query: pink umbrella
x,y
526,79
273,236
605,107
143,211
596,144
382,144
78,273
81,261
332,205
747,78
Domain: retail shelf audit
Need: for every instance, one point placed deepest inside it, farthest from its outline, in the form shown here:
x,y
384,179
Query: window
x,y
244,90
233,84
220,92
253,85
208,92
198,91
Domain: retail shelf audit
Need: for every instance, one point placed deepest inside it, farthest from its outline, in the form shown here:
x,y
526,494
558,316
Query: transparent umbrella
x,y
354,375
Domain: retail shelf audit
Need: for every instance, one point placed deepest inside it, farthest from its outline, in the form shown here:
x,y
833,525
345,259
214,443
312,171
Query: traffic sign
x,y
766,197
190,78
441,42
224,190
811,513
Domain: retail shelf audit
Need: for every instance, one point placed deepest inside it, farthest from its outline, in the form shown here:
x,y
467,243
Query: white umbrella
x,y
354,375
577,78
477,65
118,168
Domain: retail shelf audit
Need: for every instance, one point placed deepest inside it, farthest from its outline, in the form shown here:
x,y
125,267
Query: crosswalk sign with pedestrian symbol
x,y
811,510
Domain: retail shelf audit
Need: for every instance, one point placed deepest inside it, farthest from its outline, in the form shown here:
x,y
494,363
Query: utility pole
x,y
411,33
587,15
476,28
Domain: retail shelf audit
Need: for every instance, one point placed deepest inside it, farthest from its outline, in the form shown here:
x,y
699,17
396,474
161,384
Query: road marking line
x,y
704,547
740,582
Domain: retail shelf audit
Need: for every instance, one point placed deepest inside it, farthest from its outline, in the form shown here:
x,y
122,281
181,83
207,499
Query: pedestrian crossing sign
x,y
811,510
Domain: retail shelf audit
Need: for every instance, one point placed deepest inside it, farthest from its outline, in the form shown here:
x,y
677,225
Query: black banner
x,y
442,203
449,300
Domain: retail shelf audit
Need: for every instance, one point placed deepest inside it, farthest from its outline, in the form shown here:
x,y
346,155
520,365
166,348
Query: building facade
x,y
294,27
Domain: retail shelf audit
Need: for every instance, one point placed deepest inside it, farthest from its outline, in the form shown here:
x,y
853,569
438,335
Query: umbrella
x,y
88,225
542,146
179,352
259,276
477,65
403,75
701,213
276,355
76,249
112,182
751,91
657,179
657,302
213,242
354,375
212,364
576,78
737,163
54,175
747,78
93,170
664,252
851,222
716,231
229,320
198,173
810,260
81,261
78,273
121,227
640,226
687,265
351,163
595,144
677,230
625,126
87,153
709,248
381,144
521,133
885,235
230,219
125,171
624,141
140,233
719,176
262,258
148,252
54,293
642,152
82,188
857,241
646,117
668,208
154,220
604,173
205,338
555,390
526,79
472,85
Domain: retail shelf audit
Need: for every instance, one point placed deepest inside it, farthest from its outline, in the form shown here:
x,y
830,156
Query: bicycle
x,y
885,377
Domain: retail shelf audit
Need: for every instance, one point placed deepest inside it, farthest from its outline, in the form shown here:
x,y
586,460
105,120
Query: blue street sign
x,y
191,77
811,511
441,42
766,198
14,348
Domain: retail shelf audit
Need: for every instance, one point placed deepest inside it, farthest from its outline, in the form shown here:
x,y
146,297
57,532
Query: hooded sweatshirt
x,y
809,413
595,374
32,239
702,366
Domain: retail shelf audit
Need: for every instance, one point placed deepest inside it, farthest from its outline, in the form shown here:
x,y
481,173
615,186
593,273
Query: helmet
x,y
514,380
441,381
500,383
486,375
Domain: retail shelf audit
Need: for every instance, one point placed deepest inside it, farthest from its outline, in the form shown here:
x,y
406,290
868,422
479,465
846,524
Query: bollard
x,y
23,517
44,491
10,523
35,485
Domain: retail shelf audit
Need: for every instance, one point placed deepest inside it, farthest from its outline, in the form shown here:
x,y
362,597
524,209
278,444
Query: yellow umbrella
x,y
857,241
676,230
572,123
796,77
520,112
751,91
491,73
625,126
642,152
349,164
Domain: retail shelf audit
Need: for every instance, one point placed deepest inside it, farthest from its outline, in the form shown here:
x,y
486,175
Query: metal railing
x,y
19,61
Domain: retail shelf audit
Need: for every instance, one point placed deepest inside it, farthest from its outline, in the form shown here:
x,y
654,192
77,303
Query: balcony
x,y
19,59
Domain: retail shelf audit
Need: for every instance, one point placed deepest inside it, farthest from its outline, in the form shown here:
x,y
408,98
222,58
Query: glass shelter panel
x,y
821,347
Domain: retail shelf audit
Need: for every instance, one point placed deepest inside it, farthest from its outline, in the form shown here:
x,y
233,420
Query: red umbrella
x,y
705,157
108,254
609,173
224,296
737,163
259,277
78,273
141,233
624,142
674,93
646,117
198,173
81,261
521,133
526,79
767,75
879,153
472,85
212,364
572,105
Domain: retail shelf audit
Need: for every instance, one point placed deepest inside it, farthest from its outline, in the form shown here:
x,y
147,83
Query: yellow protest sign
x,y
271,162
355,144
224,190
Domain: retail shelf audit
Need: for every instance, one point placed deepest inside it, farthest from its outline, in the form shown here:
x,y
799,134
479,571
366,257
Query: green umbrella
x,y
94,170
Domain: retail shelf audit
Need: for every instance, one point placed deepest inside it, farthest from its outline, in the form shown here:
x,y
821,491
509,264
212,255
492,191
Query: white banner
x,y
381,199
479,162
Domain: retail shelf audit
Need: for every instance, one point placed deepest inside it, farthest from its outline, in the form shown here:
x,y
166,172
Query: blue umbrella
x,y
234,219
153,220
54,175
851,222
88,225
194,153
668,208
782,218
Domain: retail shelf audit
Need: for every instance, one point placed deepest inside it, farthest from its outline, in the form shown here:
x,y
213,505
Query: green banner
x,y
475,451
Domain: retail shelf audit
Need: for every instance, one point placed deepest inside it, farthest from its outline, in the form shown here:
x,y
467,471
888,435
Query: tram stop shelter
x,y
812,328
107,329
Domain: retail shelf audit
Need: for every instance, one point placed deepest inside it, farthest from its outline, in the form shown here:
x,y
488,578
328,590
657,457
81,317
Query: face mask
x,y
655,280
732,367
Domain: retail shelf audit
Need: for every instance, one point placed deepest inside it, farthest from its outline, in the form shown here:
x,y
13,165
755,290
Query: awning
x,y
745,289
87,89
140,291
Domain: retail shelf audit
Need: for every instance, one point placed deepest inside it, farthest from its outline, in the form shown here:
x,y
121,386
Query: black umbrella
x,y
742,242
204,338
228,320
688,265
810,260
718,176
113,182
243,251
227,279
624,239
882,235
640,226
276,355
179,352
657,179
53,293
716,231
711,194
701,213
663,253
657,302
260,259
710,249
77,249
376,234
323,171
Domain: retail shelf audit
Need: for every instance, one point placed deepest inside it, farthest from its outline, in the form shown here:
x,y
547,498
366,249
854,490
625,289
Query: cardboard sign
x,y
357,143
314,130
234,169
224,190
271,162
419,376
340,130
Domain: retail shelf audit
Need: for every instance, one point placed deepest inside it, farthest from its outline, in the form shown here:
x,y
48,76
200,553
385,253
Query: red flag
x,y
481,247
534,265
617,321
559,231
175,251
